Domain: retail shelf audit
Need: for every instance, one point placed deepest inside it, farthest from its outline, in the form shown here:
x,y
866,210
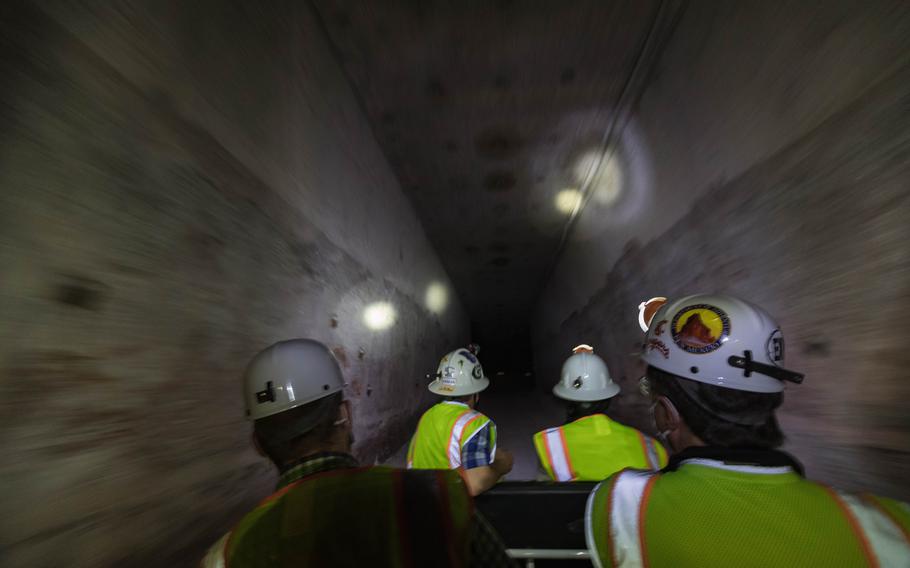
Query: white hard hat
x,y
459,374
718,340
289,374
585,377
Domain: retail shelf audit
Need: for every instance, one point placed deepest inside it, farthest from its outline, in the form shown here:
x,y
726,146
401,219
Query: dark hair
x,y
748,417
577,409
284,435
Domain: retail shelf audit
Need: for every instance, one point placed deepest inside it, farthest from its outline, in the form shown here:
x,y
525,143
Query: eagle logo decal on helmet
x,y
700,328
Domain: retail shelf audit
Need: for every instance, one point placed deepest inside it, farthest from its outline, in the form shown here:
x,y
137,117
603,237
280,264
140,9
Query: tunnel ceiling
x,y
485,111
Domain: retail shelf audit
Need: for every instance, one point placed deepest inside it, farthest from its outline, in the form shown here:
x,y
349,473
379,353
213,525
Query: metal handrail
x,y
548,554
529,555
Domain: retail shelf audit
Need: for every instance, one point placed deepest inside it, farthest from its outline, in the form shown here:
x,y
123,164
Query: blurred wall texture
x,y
184,183
181,185
767,157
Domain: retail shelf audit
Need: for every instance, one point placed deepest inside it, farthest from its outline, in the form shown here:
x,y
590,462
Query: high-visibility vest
x,y
711,513
375,516
441,433
594,447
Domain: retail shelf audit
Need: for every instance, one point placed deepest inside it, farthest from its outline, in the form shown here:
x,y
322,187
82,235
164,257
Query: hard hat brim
x,y
585,395
479,385
277,408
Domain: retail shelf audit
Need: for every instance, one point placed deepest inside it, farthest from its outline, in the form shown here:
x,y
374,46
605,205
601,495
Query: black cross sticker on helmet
x,y
267,395
749,366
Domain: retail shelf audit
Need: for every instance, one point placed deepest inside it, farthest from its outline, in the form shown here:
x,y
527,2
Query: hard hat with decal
x,y
718,340
459,374
289,374
585,377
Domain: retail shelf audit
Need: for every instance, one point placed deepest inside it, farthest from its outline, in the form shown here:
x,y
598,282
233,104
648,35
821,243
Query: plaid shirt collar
x,y
316,463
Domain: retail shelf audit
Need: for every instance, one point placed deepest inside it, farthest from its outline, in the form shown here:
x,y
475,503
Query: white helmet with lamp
x,y
585,377
718,340
289,374
459,374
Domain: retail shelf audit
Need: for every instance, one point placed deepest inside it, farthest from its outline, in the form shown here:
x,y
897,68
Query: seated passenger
x,y
591,446
328,510
728,497
452,434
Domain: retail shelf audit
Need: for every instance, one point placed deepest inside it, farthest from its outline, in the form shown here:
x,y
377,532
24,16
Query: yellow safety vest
x,y
711,513
375,516
594,447
441,433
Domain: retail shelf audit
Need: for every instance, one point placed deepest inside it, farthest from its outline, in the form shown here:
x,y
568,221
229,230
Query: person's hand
x,y
503,462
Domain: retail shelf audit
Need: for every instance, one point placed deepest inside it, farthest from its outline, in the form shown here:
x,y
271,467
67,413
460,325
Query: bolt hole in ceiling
x,y
514,107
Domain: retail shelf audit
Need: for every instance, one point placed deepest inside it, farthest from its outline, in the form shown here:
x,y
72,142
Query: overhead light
x,y
436,298
567,200
380,315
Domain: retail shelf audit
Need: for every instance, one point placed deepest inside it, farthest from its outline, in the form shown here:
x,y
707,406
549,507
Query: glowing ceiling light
x,y
567,200
436,298
586,165
380,315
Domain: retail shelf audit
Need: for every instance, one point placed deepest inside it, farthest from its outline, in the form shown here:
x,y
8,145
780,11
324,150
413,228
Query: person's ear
x,y
344,414
666,416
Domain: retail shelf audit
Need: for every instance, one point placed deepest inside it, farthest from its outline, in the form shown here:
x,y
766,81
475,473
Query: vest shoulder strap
x,y
557,452
456,436
651,455
626,504
884,541
217,554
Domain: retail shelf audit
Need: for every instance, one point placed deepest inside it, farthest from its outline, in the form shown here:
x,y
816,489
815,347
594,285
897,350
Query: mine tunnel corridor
x,y
185,184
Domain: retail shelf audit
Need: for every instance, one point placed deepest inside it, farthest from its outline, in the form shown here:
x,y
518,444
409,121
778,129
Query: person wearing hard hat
x,y
590,445
453,434
327,510
729,497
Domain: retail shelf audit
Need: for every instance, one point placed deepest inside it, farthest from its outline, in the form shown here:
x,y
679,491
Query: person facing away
x,y
453,434
728,496
590,445
327,510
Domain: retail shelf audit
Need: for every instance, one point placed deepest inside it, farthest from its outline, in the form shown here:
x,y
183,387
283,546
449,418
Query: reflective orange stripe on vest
x,y
458,429
884,540
627,502
854,526
874,502
880,538
650,451
554,441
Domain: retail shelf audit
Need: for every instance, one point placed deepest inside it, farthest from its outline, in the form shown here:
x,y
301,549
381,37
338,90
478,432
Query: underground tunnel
x,y
185,184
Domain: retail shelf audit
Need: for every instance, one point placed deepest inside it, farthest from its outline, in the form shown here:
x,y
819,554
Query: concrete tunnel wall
x,y
181,185
768,157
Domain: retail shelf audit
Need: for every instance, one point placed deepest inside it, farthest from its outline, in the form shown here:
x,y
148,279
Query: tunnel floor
x,y
519,410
